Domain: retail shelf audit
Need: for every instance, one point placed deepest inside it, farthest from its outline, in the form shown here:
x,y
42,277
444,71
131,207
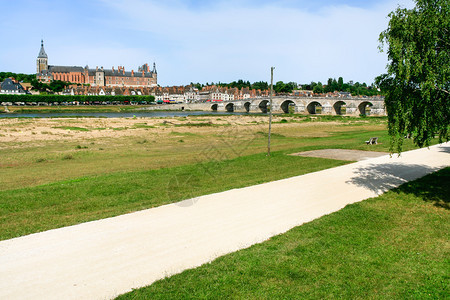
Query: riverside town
x,y
76,81
225,149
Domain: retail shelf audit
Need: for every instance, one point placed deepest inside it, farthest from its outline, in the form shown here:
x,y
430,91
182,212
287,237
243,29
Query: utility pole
x,y
270,109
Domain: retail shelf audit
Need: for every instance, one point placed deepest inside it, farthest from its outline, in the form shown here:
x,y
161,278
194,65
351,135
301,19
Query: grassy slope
x,y
33,209
393,246
41,162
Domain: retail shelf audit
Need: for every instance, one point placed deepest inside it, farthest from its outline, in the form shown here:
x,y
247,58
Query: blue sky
x,y
200,40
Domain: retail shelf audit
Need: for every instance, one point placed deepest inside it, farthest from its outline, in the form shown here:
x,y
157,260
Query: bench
x,y
372,141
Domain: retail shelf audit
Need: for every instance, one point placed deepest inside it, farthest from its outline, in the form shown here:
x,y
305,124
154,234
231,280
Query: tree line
x,y
76,98
281,87
240,84
334,85
18,76
55,86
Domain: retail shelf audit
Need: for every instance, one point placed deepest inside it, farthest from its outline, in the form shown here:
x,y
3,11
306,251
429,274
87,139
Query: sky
x,y
200,40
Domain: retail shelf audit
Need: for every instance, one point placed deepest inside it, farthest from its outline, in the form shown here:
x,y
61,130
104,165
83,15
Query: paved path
x,y
342,154
101,259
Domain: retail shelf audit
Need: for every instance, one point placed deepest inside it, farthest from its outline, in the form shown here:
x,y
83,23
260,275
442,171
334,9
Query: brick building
x,y
143,77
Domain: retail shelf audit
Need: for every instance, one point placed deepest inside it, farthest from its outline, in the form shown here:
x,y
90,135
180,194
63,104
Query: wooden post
x,y
270,109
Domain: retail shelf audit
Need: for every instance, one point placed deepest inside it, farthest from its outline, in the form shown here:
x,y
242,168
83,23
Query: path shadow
x,y
444,149
380,178
434,188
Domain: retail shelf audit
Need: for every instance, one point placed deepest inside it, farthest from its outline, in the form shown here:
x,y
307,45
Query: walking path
x,y
101,259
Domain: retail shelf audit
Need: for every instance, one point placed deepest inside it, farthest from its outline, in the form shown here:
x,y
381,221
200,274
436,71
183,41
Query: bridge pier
x,y
327,109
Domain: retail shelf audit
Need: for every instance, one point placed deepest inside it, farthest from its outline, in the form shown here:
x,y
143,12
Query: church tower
x,y
42,60
155,74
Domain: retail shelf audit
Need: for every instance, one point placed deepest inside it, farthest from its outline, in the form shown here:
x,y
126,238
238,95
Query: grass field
x,y
75,170
395,246
33,209
35,151
59,172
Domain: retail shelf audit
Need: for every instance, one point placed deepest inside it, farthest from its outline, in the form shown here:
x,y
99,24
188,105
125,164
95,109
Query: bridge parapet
x,y
317,105
288,104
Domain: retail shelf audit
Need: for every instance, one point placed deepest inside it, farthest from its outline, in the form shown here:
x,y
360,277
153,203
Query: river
x,y
137,114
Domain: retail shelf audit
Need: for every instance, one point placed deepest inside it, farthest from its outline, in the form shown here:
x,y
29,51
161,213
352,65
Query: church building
x,y
143,77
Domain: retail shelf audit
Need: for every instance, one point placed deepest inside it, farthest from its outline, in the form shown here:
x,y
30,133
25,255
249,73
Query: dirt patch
x,y
69,129
341,154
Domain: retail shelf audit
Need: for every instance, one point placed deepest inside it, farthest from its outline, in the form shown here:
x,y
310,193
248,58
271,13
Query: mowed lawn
x,y
395,246
34,209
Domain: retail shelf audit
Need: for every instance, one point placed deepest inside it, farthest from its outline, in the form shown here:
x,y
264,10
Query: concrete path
x,y
341,154
101,259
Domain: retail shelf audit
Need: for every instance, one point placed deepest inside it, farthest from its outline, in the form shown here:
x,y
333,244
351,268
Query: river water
x,y
137,114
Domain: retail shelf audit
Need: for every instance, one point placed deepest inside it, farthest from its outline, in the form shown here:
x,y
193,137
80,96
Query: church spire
x,y
42,53
42,60
154,68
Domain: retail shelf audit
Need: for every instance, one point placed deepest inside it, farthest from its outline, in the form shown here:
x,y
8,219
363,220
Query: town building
x,y
12,87
143,77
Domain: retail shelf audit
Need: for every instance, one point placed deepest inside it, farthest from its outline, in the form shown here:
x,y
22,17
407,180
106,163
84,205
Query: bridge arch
x,y
229,107
214,107
288,106
340,107
263,106
247,106
312,108
364,108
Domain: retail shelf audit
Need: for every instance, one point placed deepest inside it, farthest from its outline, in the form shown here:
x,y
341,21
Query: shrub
x,y
68,157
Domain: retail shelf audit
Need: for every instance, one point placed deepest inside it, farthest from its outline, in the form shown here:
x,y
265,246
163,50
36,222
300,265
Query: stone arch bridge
x,y
305,105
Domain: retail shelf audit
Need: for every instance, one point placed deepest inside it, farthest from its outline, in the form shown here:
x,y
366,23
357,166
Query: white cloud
x,y
222,41
226,42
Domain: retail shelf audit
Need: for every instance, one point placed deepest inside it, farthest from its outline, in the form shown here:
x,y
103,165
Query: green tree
x,y
261,85
334,85
318,89
311,86
292,86
18,76
198,85
281,87
42,87
329,87
58,85
340,83
417,82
